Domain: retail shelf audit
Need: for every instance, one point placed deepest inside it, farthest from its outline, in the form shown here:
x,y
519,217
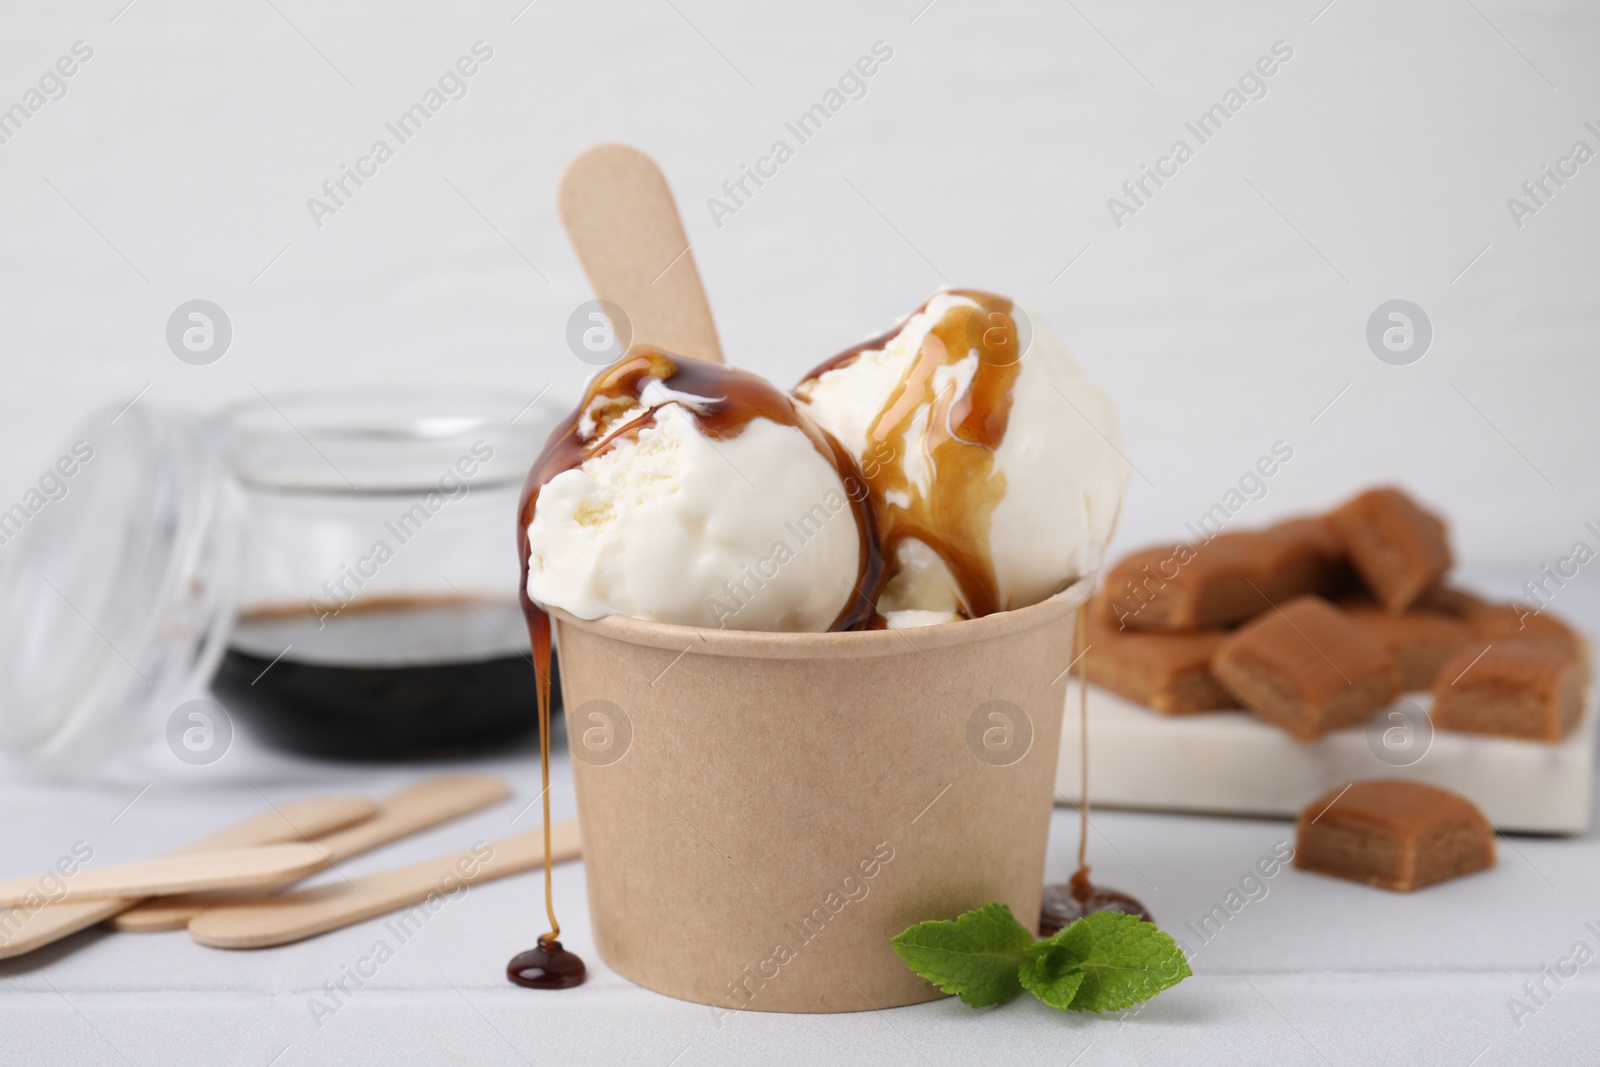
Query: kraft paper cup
x,y
761,812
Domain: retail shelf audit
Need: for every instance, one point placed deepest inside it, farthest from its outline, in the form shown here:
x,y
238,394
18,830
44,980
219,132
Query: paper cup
x,y
761,812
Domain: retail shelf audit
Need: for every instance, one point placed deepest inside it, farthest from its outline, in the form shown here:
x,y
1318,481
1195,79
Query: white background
x,y
1225,315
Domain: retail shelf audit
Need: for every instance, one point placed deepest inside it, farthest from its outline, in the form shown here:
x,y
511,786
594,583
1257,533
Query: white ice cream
x,y
749,533
1064,474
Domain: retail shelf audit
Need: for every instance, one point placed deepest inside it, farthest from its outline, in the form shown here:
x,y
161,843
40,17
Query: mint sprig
x,y
1105,961
978,956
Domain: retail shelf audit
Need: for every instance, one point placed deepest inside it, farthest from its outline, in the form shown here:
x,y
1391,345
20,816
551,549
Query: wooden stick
x,y
621,218
263,865
309,912
25,929
416,808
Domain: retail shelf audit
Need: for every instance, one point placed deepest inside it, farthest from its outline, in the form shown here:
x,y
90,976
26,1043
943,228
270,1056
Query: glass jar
x,y
344,561
377,612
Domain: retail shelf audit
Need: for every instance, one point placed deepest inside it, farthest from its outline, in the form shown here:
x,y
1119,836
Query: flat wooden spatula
x,y
232,868
26,929
621,218
409,811
295,916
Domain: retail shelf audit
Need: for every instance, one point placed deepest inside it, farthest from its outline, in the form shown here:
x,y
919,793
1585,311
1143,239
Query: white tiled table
x,y
1316,970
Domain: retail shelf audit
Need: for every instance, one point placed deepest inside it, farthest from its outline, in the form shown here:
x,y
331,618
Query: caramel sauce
x,y
960,430
722,401
370,681
1062,905
547,966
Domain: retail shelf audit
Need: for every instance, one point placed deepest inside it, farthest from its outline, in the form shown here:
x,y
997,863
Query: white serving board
x,y
1230,762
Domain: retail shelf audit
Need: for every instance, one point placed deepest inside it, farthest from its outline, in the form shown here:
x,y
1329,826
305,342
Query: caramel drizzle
x,y
722,401
964,427
1082,890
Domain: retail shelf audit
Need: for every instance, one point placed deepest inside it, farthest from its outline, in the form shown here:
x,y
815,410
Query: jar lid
x,y
117,571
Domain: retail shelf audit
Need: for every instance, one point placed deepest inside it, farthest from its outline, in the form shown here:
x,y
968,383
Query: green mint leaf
x,y
1106,961
1052,975
976,956
1053,970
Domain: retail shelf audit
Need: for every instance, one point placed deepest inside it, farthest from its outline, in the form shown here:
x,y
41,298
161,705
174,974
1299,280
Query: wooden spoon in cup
x,y
620,215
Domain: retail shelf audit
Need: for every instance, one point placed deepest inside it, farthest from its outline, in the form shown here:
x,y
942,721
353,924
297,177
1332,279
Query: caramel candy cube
x,y
1399,549
1451,600
1516,689
1505,622
1393,834
1170,672
1183,587
1498,622
1298,556
1307,668
1420,641
1226,580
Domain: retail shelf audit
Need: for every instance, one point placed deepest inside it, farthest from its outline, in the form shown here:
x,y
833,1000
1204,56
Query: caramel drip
x,y
1062,905
539,631
1080,879
961,428
531,961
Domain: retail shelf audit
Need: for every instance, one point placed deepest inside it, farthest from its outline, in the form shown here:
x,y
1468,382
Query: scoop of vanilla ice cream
x,y
748,532
1064,474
